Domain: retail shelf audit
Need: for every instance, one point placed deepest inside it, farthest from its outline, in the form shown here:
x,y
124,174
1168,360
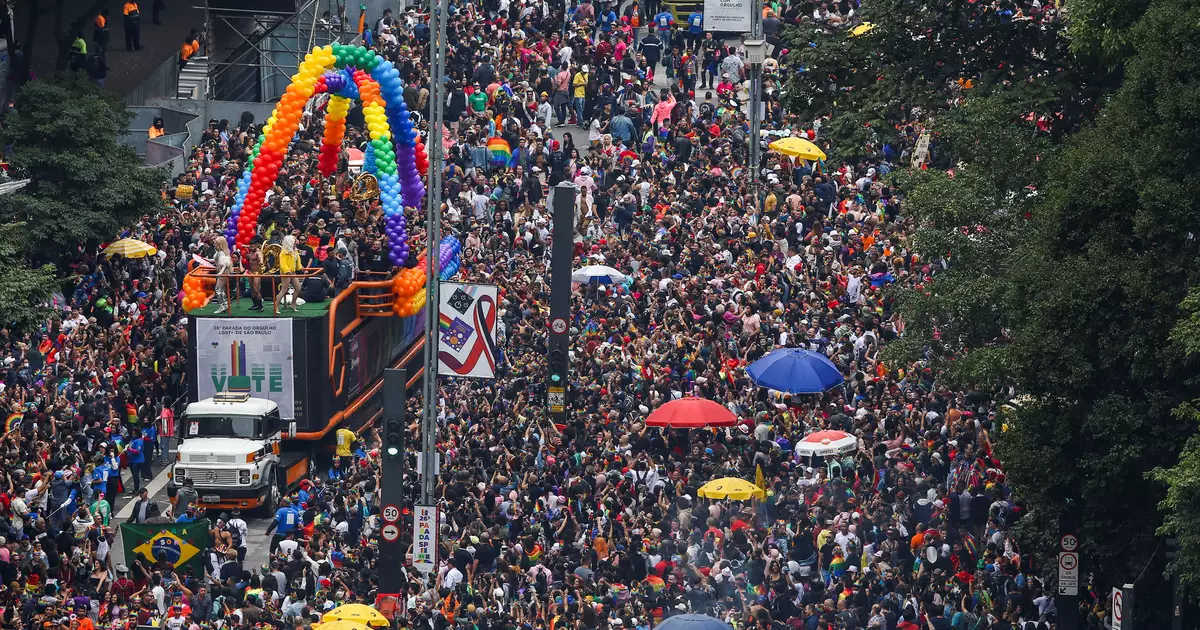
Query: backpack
x,y
235,535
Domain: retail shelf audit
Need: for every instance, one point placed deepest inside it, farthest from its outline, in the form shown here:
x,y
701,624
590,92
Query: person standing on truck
x,y
287,519
345,447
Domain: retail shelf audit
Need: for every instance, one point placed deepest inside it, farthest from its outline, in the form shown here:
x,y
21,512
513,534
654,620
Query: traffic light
x,y
393,436
557,368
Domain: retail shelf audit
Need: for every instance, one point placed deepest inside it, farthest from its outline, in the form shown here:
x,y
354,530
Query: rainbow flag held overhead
x,y
501,152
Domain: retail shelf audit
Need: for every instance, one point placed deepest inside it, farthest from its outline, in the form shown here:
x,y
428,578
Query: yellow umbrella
x,y
730,488
865,27
130,248
798,148
341,624
360,613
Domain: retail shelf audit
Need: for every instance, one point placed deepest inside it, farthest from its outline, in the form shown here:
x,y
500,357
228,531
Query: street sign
x,y
557,399
1068,573
390,532
391,514
1068,542
558,325
1118,608
425,539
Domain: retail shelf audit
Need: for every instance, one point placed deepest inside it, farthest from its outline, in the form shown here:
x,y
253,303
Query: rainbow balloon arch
x,y
396,156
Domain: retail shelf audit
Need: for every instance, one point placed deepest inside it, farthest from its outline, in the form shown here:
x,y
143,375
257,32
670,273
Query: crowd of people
x,y
594,524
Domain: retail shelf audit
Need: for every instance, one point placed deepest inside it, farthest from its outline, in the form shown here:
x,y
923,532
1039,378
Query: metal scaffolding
x,y
256,46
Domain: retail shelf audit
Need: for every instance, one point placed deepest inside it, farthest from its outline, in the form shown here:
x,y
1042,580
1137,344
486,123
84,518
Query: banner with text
x,y
467,330
727,16
258,348
425,526
181,544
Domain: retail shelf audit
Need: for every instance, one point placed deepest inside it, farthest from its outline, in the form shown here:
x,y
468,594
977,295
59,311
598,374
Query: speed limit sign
x,y
391,513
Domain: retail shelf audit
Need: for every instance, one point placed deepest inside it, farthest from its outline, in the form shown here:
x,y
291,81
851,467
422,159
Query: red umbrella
x,y
691,413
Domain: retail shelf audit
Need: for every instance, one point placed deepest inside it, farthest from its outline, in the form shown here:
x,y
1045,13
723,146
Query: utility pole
x,y
755,55
433,223
558,347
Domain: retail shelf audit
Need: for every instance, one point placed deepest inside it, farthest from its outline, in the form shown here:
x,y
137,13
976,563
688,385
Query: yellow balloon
x,y
374,135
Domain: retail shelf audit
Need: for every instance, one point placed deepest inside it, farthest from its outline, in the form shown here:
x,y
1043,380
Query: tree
x,y
86,184
1074,307
24,292
914,65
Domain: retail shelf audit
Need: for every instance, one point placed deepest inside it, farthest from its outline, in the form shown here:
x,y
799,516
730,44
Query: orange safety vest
x,y
130,7
187,50
156,132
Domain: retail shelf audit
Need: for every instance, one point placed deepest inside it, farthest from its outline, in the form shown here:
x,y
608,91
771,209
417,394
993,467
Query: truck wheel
x,y
272,501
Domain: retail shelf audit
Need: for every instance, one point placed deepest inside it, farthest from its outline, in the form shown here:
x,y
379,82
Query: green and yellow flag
x,y
181,544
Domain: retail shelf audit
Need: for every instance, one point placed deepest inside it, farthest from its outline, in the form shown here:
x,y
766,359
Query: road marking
x,y
158,483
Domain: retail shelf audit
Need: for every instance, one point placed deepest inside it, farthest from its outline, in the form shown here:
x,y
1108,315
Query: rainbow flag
x,y
501,152
237,358
656,583
13,422
535,554
971,546
838,566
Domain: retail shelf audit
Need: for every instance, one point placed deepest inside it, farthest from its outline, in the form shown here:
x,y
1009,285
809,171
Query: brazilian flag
x,y
181,544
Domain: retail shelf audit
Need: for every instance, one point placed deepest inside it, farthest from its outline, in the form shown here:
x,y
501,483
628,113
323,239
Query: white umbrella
x,y
826,443
598,274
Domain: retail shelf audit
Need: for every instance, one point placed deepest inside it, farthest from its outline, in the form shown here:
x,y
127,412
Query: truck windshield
x,y
223,426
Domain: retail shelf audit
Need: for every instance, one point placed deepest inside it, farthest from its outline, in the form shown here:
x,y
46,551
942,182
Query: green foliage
x,y
24,292
1072,297
913,59
64,135
1102,29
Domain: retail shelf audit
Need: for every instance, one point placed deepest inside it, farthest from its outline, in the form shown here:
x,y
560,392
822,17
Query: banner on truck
x,y
260,348
727,16
467,318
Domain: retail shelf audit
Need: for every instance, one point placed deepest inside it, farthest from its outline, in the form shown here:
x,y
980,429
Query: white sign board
x,y
425,538
728,16
391,513
260,348
390,532
467,316
1068,573
1118,608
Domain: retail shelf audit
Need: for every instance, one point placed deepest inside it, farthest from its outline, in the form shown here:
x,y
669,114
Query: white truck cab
x,y
231,452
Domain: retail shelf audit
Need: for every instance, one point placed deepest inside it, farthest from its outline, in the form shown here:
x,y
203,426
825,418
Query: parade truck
x,y
269,393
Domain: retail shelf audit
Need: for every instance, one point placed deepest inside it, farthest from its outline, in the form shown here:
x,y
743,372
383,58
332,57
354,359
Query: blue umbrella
x,y
692,622
795,371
